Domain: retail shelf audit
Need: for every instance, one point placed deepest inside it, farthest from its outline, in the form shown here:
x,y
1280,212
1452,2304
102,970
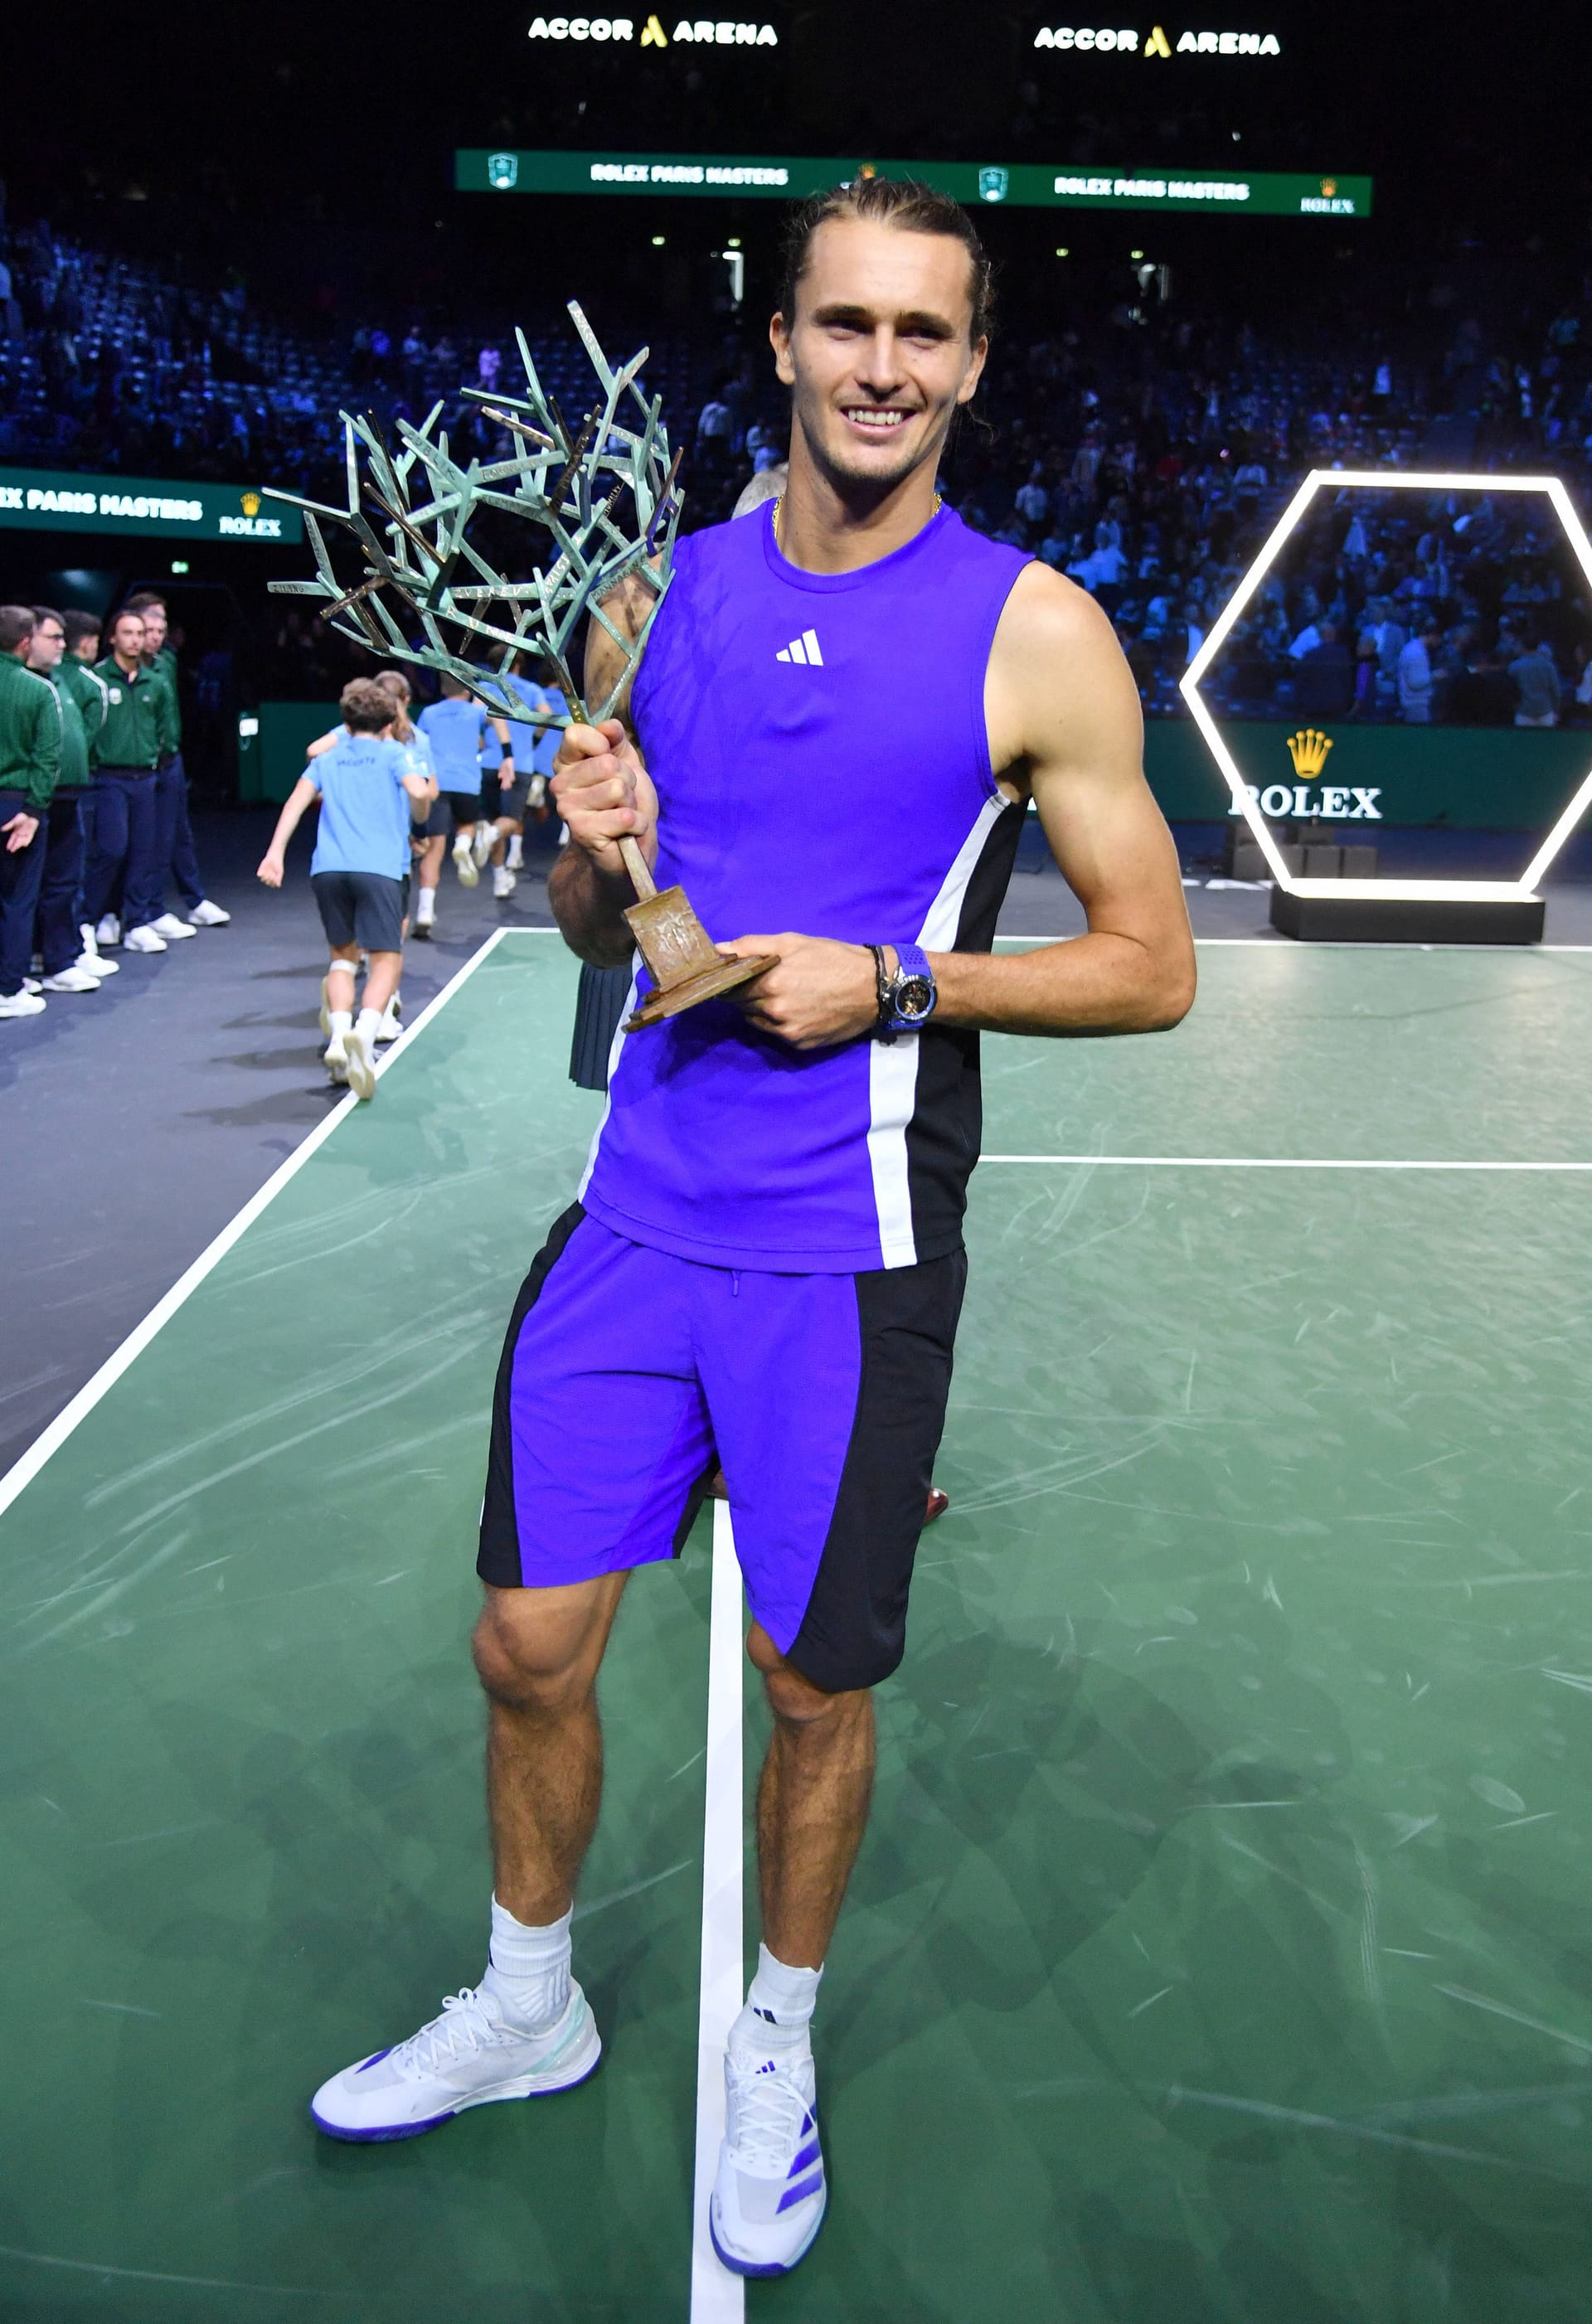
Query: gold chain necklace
x,y
779,510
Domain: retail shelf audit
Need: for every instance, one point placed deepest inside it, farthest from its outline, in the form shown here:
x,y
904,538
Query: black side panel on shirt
x,y
498,1558
854,1630
600,1003
947,1125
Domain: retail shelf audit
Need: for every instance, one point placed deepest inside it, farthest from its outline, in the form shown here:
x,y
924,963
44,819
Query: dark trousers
x,y
20,873
58,888
175,838
126,840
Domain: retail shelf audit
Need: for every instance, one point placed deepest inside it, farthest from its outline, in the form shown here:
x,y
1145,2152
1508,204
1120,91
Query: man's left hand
x,y
18,832
817,994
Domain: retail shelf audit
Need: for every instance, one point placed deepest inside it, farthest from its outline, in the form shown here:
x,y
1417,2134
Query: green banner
x,y
1453,777
1020,185
41,500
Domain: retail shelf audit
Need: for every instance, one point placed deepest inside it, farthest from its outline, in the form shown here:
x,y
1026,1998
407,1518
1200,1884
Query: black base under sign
x,y
1412,919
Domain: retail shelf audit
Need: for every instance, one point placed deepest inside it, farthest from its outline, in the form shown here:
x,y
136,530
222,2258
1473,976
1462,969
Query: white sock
x,y
529,1968
516,853
342,1022
392,1007
428,909
367,1024
779,2004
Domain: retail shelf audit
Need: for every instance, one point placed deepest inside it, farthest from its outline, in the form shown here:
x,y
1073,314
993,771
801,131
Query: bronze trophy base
x,y
687,965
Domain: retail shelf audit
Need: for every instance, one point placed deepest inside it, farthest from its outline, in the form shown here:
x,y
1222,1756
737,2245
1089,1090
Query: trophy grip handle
x,y
635,862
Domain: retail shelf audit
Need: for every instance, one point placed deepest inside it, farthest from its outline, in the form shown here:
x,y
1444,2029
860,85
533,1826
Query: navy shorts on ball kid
x,y
628,1375
362,908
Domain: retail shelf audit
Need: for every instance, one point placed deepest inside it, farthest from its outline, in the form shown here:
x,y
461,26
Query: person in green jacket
x,y
68,966
179,855
29,766
137,731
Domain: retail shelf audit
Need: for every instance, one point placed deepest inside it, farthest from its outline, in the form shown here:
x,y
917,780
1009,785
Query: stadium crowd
x,y
1145,452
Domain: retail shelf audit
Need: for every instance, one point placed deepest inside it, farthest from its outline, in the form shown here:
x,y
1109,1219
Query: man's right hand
x,y
19,831
604,793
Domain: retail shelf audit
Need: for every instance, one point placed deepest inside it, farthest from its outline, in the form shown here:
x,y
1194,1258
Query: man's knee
x,y
539,1650
796,1701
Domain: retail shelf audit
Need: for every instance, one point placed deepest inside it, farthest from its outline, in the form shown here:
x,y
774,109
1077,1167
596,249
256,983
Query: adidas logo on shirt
x,y
804,649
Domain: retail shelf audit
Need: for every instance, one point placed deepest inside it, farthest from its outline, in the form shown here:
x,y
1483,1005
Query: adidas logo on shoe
x,y
803,649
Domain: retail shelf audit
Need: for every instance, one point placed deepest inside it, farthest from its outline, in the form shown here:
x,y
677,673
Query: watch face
x,y
915,997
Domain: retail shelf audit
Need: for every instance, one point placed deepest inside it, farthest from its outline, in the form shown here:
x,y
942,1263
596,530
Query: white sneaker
x,y
334,1057
72,980
95,964
361,1066
32,984
469,2056
769,2197
21,1004
174,930
109,931
392,1024
144,940
207,914
484,840
503,883
464,863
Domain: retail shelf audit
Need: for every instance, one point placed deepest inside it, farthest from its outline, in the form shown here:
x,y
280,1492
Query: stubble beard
x,y
846,479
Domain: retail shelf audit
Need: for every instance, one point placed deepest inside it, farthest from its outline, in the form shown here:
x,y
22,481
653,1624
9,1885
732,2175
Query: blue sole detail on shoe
x,y
762,2268
383,2134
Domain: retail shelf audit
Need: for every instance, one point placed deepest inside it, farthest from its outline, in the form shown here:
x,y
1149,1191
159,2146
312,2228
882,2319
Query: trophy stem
x,y
641,879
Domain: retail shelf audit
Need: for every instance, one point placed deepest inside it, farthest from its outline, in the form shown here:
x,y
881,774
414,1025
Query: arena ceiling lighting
x,y
1410,891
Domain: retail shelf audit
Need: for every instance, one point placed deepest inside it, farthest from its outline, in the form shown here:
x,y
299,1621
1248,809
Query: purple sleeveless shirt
x,y
819,748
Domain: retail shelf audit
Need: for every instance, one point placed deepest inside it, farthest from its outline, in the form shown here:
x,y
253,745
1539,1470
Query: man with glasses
x,y
67,967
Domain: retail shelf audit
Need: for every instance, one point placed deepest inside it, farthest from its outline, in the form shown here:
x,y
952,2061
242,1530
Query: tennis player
x,y
846,706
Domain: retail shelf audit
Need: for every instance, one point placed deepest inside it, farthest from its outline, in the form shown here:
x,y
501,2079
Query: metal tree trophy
x,y
607,495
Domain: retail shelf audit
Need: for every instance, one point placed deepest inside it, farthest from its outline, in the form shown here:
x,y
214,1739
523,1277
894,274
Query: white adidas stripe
x,y
803,649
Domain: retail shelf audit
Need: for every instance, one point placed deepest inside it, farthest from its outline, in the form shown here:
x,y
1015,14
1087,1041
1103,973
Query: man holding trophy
x,y
845,704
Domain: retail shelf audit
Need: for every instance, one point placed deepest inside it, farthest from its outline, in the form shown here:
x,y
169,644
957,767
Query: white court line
x,y
1275,943
22,1472
718,2297
1253,1162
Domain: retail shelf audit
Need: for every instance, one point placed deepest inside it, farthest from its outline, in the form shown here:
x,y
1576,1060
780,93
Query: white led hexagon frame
x,y
1521,890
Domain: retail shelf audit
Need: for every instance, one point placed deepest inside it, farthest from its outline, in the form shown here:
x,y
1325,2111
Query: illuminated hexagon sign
x,y
1414,891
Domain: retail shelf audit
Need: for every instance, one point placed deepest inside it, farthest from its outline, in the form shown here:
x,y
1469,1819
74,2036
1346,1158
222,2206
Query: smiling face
x,y
878,355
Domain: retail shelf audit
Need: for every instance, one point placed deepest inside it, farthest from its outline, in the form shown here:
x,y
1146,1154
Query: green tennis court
x,y
1220,1950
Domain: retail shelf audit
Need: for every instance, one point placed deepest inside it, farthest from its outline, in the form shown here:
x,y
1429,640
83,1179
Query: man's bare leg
x,y
813,1804
526,2030
538,1653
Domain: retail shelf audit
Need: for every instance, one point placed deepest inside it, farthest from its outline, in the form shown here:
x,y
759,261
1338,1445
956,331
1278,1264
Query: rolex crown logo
x,y
1308,749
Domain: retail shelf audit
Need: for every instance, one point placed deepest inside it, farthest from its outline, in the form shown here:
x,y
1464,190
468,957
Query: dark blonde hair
x,y
903,202
395,688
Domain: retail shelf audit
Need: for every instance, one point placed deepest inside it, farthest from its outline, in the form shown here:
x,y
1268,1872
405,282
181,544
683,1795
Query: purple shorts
x,y
628,1375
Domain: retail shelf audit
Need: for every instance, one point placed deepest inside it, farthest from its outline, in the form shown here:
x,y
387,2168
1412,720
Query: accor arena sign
x,y
1107,39
692,31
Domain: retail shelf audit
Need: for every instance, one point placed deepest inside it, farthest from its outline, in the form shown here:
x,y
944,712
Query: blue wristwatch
x,y
905,1000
